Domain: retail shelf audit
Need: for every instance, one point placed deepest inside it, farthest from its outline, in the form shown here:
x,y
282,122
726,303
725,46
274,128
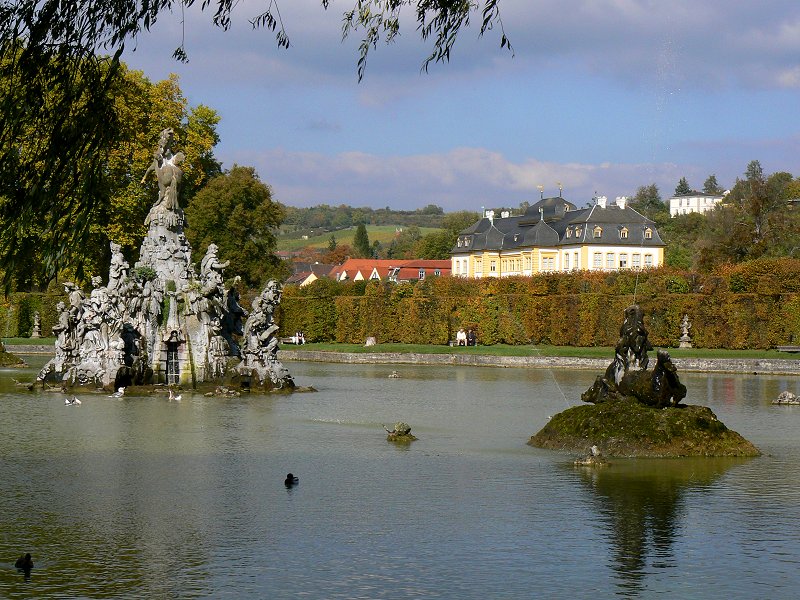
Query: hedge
x,y
751,305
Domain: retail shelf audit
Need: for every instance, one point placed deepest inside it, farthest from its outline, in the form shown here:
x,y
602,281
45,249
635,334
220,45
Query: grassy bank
x,y
495,350
23,341
539,350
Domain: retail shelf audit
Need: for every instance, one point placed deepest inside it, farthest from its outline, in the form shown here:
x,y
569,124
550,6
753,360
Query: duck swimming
x,y
119,393
291,480
25,562
172,396
72,401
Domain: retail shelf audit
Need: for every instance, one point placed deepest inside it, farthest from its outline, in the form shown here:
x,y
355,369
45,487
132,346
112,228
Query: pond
x,y
146,498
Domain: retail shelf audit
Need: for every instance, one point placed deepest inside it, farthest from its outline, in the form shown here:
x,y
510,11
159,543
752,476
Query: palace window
x,y
610,260
528,262
493,266
636,261
547,263
648,234
648,260
623,261
623,233
577,262
598,260
422,273
566,262
597,231
457,265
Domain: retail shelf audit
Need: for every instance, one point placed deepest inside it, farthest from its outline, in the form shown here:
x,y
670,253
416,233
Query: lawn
x,y
496,350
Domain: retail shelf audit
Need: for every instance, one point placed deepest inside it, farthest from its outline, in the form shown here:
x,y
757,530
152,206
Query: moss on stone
x,y
7,359
627,428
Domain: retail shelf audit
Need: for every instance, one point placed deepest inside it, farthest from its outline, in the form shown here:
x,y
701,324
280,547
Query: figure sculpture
x,y
627,375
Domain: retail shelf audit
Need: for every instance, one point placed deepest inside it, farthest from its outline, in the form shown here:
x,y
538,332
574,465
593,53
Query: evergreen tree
x,y
683,188
361,244
711,186
332,243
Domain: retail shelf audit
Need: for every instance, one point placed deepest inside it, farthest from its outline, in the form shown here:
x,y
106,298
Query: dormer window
x,y
648,233
516,237
623,233
578,231
569,232
459,242
597,231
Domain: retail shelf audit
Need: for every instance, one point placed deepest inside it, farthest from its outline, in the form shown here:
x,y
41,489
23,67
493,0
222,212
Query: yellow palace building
x,y
554,235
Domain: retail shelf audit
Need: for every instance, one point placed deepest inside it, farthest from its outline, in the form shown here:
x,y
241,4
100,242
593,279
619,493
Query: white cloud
x,y
464,178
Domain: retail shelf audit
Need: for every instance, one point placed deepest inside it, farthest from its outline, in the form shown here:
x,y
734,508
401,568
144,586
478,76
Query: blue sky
x,y
601,95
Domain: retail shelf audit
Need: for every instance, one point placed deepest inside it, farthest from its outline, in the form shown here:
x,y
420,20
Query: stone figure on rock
x,y
627,375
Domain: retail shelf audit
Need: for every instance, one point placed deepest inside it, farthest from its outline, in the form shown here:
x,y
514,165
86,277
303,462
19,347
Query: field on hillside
x,y
383,233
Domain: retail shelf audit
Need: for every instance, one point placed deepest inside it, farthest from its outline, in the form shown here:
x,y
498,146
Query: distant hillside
x,y
334,218
320,239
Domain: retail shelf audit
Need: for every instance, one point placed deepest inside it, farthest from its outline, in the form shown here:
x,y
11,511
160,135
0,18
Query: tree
x,y
683,188
648,202
711,186
56,86
34,248
361,242
755,222
332,243
236,212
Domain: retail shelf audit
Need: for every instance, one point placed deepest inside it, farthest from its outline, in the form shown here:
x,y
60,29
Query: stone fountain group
x,y
161,321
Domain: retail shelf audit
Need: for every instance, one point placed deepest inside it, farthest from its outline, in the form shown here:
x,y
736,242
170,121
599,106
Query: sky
x,y
599,96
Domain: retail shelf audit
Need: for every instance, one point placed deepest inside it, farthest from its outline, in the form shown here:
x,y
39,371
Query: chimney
x,y
490,216
622,201
601,201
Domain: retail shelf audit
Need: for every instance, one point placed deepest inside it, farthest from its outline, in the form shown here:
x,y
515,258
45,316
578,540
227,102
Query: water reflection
x,y
641,504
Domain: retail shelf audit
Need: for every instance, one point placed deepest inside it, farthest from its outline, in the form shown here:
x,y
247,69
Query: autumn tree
x,y
437,245
36,249
236,212
647,201
57,86
754,222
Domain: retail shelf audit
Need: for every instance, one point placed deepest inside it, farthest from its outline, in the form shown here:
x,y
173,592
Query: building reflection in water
x,y
641,503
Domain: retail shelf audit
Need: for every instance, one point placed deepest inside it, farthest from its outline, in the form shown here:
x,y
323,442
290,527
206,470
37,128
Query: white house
x,y
696,202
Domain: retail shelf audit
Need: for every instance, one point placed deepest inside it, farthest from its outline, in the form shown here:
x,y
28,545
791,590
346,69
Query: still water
x,y
145,498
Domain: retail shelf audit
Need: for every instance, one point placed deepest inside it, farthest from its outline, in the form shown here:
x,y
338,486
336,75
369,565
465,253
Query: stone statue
x,y
118,271
260,343
627,376
685,341
36,332
233,320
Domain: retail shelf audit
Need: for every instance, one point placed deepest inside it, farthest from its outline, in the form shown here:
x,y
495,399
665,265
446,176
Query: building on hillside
x,y
306,273
359,269
554,235
696,202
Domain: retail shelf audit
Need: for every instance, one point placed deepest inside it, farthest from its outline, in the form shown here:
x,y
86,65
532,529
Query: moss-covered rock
x,y
627,428
7,359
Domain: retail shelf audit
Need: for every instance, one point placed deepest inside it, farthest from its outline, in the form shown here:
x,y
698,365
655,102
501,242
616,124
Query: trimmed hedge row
x,y
752,305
